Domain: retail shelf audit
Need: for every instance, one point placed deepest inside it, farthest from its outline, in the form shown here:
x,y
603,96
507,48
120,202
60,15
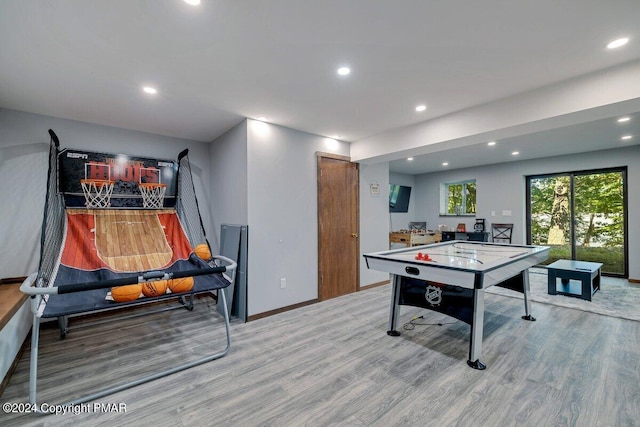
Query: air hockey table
x,y
451,278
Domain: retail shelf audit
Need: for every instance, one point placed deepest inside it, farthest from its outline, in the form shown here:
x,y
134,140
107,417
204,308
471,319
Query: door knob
x,y
354,235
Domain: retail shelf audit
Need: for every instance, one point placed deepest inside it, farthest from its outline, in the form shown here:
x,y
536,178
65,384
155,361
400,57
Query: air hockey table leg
x,y
526,291
394,312
477,331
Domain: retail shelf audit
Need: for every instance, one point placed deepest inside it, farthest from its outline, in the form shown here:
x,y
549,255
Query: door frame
x,y
319,156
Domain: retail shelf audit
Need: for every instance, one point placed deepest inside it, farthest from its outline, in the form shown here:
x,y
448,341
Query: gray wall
x,y
502,187
228,186
282,214
23,174
374,218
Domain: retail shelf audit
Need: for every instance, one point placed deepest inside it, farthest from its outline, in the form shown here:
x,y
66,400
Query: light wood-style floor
x,y
333,364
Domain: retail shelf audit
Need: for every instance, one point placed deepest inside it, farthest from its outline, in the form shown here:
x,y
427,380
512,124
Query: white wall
x,y
374,216
502,187
24,161
12,335
228,186
24,148
282,214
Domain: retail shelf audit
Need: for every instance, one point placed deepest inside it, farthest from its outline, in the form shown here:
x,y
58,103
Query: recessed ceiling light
x,y
445,163
515,153
421,108
491,143
344,71
150,90
337,137
626,137
410,159
624,119
618,43
262,118
192,2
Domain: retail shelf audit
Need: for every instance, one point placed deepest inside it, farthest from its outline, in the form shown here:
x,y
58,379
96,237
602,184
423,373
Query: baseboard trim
x,y
305,303
9,280
374,285
281,310
634,280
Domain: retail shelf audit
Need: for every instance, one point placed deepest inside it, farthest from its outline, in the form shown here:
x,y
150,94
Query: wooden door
x,y
338,247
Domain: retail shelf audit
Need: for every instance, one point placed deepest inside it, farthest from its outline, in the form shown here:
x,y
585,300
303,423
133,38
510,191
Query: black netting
x,y
53,220
187,203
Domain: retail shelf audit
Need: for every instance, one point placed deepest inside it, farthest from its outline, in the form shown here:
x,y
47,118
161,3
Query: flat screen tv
x,y
399,198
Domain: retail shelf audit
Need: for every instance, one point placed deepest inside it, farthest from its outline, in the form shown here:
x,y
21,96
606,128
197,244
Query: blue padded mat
x,y
92,300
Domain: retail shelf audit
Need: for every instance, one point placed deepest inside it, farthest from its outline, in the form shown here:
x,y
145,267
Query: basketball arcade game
x,y
117,232
451,278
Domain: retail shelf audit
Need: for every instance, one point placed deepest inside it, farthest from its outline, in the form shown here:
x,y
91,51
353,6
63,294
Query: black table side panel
x,y
454,301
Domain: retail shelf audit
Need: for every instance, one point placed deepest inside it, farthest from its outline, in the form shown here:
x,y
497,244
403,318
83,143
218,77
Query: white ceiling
x,y
590,136
224,60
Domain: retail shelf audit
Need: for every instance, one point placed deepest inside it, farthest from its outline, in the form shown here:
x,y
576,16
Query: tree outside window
x,y
581,215
460,197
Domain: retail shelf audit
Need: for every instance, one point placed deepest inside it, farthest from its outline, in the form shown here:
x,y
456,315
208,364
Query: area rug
x,y
616,297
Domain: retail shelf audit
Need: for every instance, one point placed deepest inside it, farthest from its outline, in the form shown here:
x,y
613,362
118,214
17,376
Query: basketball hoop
x,y
152,194
97,192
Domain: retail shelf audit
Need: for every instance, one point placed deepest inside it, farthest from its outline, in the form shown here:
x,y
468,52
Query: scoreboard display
x,y
124,171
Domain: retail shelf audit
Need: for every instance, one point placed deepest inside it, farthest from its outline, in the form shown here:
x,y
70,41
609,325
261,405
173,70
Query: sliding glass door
x,y
581,216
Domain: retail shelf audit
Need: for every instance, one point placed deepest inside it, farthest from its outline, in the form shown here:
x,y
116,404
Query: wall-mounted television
x,y
399,198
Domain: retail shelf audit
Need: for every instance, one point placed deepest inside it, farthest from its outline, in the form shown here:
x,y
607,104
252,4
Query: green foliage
x,y
612,258
542,196
470,200
598,203
454,198
461,198
599,208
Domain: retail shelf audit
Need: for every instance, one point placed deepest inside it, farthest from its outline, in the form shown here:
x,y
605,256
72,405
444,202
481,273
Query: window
x,y
458,198
582,216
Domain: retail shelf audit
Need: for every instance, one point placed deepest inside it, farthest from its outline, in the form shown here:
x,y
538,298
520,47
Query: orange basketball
x,y
126,293
154,289
203,252
184,284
